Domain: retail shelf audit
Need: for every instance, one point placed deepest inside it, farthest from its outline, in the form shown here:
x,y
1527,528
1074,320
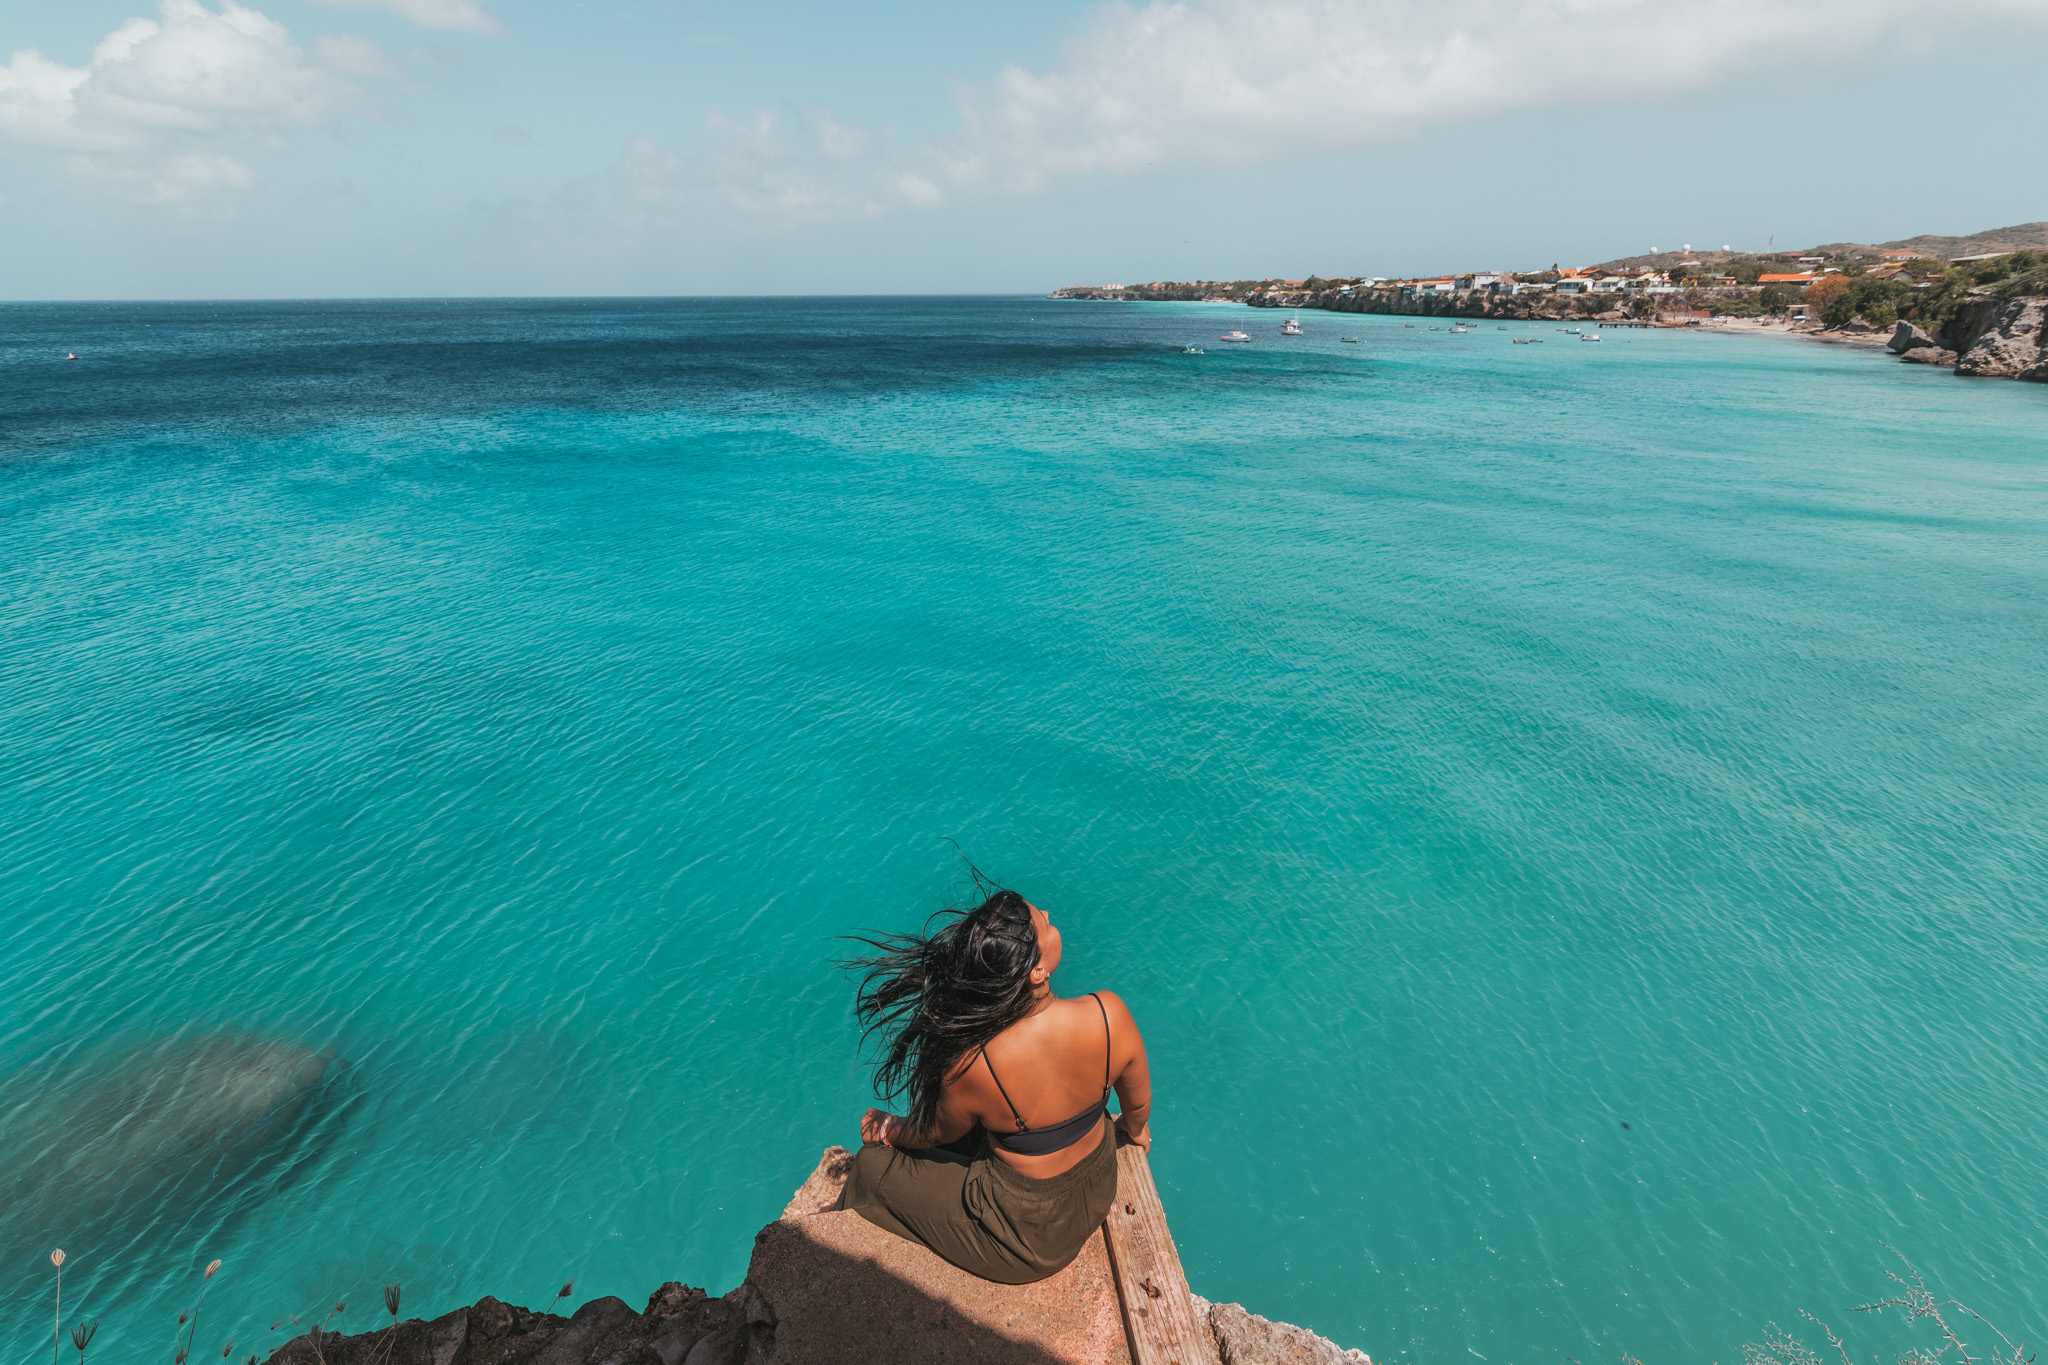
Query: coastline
x,y
1991,337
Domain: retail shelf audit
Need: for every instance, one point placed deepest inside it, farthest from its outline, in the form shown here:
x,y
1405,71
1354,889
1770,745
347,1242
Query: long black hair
x,y
934,997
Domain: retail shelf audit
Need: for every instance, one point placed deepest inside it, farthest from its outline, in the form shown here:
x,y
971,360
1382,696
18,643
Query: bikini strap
x,y
1022,1126
1097,996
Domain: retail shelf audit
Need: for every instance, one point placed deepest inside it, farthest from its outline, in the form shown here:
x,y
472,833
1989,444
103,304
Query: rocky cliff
x,y
829,1288
1999,338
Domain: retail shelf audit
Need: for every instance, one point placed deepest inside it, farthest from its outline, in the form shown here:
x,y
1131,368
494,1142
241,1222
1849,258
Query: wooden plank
x,y
1159,1312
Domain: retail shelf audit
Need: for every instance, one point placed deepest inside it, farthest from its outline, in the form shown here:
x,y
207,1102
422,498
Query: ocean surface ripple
x,y
1569,818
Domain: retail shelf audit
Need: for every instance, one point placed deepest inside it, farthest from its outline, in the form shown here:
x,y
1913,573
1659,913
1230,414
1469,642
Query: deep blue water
x,y
1569,818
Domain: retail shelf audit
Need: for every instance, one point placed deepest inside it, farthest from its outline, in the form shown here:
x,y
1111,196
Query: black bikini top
x,y
1054,1137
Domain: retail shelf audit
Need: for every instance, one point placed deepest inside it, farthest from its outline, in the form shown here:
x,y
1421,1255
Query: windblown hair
x,y
935,997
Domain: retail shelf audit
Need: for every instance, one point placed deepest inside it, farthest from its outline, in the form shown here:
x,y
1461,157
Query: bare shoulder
x,y
1113,1002
1119,1013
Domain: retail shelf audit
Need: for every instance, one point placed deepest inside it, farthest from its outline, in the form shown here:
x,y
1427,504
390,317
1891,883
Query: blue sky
x,y
295,148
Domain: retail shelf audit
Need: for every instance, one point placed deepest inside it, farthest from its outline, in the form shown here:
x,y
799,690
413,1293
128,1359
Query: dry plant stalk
x,y
391,1294
193,1336
1916,1301
57,1327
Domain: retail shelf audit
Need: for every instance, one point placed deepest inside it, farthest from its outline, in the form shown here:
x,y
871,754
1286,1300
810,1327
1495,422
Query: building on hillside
x,y
1902,255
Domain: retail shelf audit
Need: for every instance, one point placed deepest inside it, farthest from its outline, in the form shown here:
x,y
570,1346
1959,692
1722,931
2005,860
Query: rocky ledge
x,y
1993,339
824,1286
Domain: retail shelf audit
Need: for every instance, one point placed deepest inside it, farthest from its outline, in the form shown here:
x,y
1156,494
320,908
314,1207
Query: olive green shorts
x,y
978,1212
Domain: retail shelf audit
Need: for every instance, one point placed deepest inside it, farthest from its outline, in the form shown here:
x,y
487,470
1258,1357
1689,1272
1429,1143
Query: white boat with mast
x,y
1291,327
1234,335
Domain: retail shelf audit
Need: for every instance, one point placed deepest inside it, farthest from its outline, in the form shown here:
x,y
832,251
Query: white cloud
x,y
1175,82
462,16
1243,80
774,167
166,107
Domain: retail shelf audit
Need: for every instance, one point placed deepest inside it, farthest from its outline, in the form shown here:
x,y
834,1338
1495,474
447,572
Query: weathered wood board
x,y
1159,1311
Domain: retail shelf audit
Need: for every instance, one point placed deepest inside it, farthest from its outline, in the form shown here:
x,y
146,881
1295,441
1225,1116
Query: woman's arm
x,y
893,1130
1134,1082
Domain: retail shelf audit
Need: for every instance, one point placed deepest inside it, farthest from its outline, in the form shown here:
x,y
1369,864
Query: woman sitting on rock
x,y
1006,1161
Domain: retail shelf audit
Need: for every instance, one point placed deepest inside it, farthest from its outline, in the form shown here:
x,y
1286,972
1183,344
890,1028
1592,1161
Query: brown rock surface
x,y
831,1287
1248,1339
1906,337
1929,355
2010,344
602,1332
825,1288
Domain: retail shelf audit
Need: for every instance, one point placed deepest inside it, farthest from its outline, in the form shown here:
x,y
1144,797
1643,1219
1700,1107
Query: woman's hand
x,y
876,1124
1141,1138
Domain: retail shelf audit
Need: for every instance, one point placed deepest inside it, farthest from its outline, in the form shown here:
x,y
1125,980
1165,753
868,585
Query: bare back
x,y
1049,1066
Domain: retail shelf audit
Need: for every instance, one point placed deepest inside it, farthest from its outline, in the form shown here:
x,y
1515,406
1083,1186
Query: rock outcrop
x,y
1244,1338
826,1288
681,1326
1906,337
2006,341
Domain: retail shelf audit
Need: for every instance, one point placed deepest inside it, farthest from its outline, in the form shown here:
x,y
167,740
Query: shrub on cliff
x,y
1870,297
1741,306
1776,298
2028,282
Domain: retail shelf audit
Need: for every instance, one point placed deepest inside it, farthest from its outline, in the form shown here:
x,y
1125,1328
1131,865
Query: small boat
x,y
1352,340
1461,329
1192,350
69,356
1588,336
1234,335
1291,327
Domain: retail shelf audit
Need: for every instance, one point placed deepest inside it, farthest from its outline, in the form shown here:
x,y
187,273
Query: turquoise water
x,y
1454,752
